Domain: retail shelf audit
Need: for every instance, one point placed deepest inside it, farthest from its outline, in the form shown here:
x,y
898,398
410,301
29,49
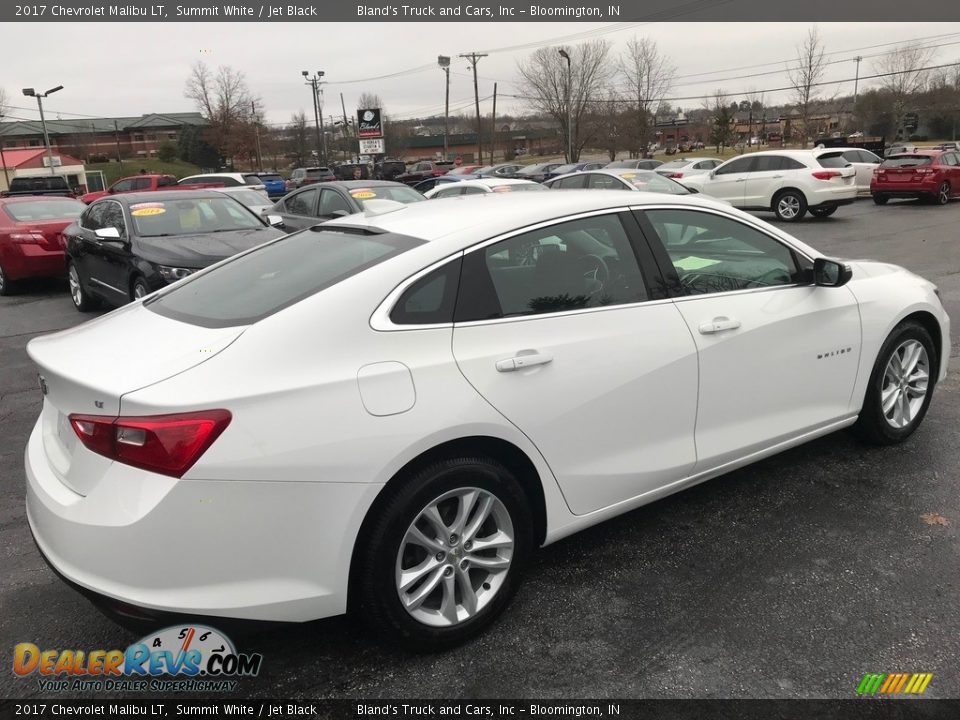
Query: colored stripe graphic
x,y
894,683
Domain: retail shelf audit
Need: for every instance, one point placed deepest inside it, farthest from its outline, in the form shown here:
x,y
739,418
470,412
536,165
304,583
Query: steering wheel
x,y
599,273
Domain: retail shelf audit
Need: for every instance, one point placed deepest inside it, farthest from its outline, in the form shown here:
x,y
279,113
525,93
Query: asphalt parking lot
x,y
791,578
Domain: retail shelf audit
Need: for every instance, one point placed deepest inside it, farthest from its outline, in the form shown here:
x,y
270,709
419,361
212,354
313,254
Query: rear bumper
x,y
829,196
272,551
905,189
23,260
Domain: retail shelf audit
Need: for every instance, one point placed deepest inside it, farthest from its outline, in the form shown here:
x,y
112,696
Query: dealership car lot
x,y
784,579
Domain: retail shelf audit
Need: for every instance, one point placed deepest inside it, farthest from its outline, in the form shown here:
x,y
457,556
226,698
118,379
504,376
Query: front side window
x,y
574,182
712,253
113,217
572,265
303,203
123,186
331,201
601,181
141,183
448,192
92,219
739,165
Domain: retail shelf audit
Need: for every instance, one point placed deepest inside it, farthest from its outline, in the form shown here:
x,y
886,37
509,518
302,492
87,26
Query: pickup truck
x,y
145,183
42,185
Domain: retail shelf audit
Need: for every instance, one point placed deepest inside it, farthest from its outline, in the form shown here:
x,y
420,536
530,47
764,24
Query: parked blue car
x,y
276,185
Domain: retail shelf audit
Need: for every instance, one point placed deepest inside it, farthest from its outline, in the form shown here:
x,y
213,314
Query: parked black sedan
x,y
126,246
315,203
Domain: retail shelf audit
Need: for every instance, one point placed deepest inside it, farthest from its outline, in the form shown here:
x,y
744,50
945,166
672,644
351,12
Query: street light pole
x,y
444,62
566,56
474,58
30,92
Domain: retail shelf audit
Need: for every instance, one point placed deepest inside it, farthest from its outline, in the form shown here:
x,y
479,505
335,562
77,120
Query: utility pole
x,y
256,128
856,80
6,178
346,128
493,128
314,82
116,139
474,58
566,56
444,62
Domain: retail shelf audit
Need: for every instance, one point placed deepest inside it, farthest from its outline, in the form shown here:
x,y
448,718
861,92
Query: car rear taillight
x,y
675,175
165,444
826,174
31,237
880,171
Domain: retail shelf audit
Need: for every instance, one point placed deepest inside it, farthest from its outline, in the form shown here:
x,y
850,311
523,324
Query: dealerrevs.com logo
x,y
187,658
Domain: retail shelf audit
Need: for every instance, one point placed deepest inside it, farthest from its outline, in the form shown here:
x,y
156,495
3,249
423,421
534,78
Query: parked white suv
x,y
787,182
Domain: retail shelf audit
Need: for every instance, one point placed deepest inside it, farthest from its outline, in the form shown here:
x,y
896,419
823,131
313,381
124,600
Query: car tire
x,y
789,205
139,288
822,212
82,300
405,533
943,193
880,199
893,408
7,286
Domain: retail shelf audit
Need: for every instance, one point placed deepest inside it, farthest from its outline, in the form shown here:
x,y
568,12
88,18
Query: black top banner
x,y
499,11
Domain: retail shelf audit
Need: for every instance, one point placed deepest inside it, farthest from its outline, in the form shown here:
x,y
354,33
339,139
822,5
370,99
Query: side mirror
x,y
108,233
275,221
692,190
713,174
831,273
339,213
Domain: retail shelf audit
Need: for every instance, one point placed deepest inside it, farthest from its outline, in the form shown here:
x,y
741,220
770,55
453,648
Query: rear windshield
x,y
833,160
319,172
564,169
41,183
673,164
622,164
38,210
276,275
252,180
907,161
271,178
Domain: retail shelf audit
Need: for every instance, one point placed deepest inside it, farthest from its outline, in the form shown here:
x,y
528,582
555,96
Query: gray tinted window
x,y
303,203
276,275
736,166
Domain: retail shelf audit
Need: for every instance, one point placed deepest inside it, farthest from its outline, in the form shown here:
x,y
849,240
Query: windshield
x,y
908,161
397,193
38,210
193,216
649,181
276,275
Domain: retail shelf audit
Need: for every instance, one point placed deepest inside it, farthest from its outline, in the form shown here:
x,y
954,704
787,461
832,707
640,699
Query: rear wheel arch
x,y
780,191
501,451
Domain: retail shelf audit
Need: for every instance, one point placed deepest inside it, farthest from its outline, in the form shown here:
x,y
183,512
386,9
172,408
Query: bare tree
x,y
298,139
805,75
905,76
369,100
226,102
647,75
757,113
550,90
611,124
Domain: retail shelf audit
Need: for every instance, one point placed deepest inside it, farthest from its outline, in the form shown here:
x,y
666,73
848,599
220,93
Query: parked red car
x,y
145,183
30,244
925,174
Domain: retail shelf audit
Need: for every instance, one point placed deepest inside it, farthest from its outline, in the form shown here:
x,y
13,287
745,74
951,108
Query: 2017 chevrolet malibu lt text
x,y
388,413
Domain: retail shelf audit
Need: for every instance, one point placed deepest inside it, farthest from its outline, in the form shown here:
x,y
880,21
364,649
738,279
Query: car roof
x,y
495,182
690,160
614,172
467,219
352,184
162,196
921,151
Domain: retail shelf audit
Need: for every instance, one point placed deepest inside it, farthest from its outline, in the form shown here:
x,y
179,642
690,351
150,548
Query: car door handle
x,y
718,324
741,179
519,362
776,177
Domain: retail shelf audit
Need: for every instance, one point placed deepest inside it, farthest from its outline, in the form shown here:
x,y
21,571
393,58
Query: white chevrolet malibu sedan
x,y
388,413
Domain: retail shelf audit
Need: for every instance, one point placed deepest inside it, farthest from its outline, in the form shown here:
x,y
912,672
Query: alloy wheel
x,y
788,207
76,292
139,291
3,280
454,557
944,194
905,382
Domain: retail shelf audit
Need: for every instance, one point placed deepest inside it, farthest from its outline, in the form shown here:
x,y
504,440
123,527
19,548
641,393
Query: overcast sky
x,y
113,69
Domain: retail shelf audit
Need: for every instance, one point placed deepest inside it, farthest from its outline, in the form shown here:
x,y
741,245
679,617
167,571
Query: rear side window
x,y
431,299
907,161
276,275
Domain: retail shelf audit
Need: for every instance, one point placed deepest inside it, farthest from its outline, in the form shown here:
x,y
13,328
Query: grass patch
x,y
113,171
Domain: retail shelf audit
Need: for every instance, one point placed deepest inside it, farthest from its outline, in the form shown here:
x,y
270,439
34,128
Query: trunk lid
x,y
87,369
48,230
